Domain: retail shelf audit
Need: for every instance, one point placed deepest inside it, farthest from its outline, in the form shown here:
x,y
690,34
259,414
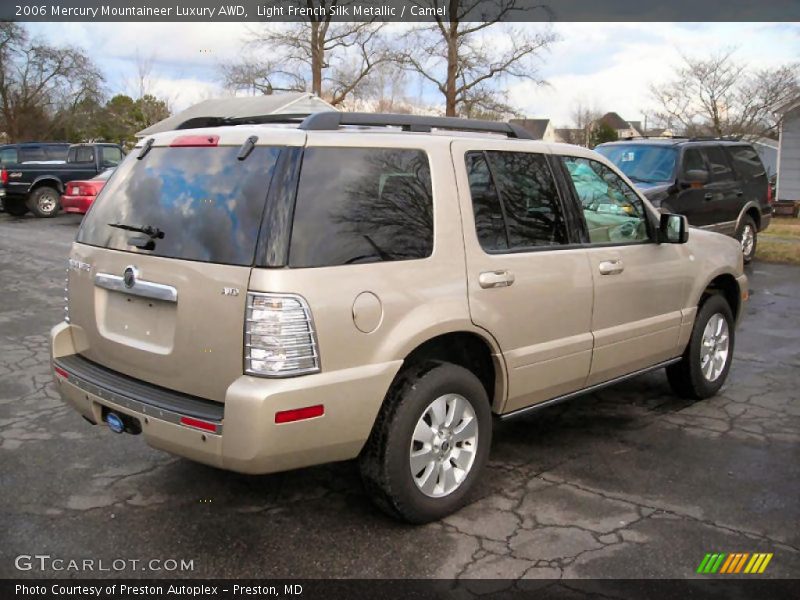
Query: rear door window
x,y
746,161
515,201
360,205
718,163
207,203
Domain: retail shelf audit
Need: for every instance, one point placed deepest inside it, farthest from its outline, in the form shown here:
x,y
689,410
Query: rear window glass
x,y
207,203
746,161
359,205
81,154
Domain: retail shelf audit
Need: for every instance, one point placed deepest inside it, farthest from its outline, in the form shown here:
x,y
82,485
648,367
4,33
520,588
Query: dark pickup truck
x,y
37,185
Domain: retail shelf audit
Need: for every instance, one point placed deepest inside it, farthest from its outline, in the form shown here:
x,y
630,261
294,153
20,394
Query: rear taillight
x,y
770,198
3,176
87,190
279,336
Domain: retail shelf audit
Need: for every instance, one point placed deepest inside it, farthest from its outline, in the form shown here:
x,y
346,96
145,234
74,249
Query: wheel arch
x,y
474,350
49,181
752,210
727,286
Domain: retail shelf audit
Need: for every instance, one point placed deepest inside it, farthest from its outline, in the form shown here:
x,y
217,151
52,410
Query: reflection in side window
x,y
514,200
612,210
359,205
489,223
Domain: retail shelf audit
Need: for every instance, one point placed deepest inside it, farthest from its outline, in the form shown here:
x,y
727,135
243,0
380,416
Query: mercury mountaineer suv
x,y
263,297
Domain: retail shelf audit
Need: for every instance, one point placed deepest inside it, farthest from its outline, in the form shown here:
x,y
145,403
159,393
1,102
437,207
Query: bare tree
x,y
38,81
335,58
261,77
459,59
582,120
719,96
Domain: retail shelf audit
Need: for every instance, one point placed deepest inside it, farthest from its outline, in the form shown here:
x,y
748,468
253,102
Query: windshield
x,y
642,163
205,204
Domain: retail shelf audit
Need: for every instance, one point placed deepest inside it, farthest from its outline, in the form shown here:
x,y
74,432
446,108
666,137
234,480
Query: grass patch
x,y
778,251
785,227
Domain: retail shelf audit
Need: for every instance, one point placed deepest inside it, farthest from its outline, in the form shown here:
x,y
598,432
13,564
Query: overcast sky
x,y
607,66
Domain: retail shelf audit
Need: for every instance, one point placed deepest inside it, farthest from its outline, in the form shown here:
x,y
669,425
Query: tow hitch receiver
x,y
119,423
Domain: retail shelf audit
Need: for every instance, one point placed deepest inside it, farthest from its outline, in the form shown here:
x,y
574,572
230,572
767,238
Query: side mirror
x,y
696,177
673,229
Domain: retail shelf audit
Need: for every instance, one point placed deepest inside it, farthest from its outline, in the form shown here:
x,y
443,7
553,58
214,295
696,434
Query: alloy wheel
x,y
714,347
443,445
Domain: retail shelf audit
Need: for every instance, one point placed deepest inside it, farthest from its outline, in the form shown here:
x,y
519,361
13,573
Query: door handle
x,y
708,196
739,193
611,267
495,279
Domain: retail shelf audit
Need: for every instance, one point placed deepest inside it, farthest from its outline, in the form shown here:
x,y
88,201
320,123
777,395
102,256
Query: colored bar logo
x,y
736,562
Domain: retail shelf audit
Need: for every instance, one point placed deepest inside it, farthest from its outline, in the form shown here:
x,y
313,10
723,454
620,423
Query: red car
x,y
79,195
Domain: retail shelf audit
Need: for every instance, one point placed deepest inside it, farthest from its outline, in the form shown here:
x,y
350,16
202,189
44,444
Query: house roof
x,y
536,127
614,121
789,106
237,107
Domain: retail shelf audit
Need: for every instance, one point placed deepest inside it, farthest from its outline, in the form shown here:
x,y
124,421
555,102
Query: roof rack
x,y
333,120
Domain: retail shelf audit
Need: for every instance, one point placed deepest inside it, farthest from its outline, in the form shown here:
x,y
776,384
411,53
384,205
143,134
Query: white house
x,y
789,153
300,103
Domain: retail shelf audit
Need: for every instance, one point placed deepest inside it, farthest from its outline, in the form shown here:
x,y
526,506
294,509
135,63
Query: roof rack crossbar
x,y
331,121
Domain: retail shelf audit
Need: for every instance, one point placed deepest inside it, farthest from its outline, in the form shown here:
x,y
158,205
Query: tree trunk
x,y
452,70
317,59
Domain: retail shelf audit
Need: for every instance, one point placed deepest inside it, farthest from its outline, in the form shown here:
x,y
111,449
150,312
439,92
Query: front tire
x,y
706,361
44,202
748,238
429,444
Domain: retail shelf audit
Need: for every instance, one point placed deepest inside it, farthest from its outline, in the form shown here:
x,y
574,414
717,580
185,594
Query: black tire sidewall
x,y
444,379
715,304
33,201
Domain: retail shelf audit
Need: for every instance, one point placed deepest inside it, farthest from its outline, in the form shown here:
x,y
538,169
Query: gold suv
x,y
263,297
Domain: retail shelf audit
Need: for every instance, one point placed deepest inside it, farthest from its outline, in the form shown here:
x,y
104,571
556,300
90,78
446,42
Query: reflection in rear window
x,y
362,205
207,203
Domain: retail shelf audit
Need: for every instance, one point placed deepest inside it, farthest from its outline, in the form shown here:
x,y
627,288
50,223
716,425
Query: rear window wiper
x,y
152,232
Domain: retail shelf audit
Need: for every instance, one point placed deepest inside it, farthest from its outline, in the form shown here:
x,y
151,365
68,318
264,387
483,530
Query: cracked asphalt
x,y
630,482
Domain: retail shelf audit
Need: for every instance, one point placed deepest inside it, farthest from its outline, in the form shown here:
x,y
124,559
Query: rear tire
x,y
748,238
15,207
447,406
44,202
694,377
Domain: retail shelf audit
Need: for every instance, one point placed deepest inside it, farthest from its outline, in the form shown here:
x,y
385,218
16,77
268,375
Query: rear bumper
x,y
247,438
76,204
